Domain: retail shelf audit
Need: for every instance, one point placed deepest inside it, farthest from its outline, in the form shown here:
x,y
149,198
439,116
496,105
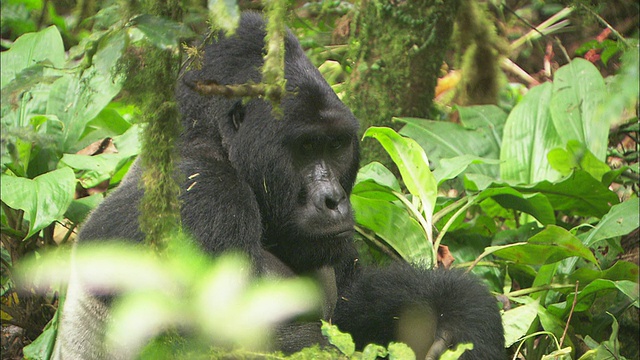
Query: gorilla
x,y
278,190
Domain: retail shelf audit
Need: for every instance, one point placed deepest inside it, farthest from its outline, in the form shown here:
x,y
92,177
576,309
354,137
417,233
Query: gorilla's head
x,y
301,167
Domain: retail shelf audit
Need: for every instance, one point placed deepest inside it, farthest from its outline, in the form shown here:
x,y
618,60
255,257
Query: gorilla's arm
x,y
424,308
219,209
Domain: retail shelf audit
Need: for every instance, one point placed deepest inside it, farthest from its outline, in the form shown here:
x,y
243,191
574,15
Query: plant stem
x,y
538,289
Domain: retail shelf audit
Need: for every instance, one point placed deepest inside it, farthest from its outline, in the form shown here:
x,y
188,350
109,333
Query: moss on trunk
x,y
397,48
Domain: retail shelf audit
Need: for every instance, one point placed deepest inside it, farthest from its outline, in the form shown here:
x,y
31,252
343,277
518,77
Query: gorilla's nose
x,y
329,197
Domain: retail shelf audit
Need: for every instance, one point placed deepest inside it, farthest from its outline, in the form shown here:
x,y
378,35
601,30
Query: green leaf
x,y
621,270
79,209
76,100
162,33
452,167
535,204
517,321
42,347
587,295
97,168
380,174
560,354
373,190
577,156
455,353
400,351
31,49
589,45
43,199
224,14
553,324
108,123
579,194
548,246
343,341
395,226
128,144
479,135
529,135
578,90
621,220
373,352
412,163
623,90
607,350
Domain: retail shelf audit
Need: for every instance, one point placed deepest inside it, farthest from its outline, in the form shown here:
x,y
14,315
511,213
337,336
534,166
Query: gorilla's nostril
x,y
331,204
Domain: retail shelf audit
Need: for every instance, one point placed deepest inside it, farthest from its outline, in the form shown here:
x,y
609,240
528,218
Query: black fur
x,y
280,187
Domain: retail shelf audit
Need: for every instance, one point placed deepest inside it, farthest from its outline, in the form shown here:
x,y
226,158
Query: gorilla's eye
x,y
237,114
307,146
337,143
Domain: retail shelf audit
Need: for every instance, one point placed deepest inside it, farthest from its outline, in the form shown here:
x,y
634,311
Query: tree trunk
x,y
397,52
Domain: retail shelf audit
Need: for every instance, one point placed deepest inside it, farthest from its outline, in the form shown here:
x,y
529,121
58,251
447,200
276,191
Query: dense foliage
x,y
537,194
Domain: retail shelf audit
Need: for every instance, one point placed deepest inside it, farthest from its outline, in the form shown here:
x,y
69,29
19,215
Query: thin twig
x,y
605,23
380,245
573,306
513,68
564,51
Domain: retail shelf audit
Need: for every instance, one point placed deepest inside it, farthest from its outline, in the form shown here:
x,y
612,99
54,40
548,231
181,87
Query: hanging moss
x,y
397,50
479,52
151,77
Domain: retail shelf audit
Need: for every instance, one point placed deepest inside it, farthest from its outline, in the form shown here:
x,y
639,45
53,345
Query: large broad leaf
x,y
555,325
578,90
622,219
586,295
412,163
517,321
77,100
43,199
30,49
621,270
623,91
394,225
529,135
534,204
548,246
377,172
28,69
96,169
108,123
479,135
487,120
579,194
452,167
372,190
577,156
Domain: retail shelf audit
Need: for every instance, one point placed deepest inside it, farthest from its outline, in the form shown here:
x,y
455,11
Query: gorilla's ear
x,y
236,115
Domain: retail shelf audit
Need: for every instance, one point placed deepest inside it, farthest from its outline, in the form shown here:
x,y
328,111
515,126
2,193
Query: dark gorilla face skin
x,y
301,167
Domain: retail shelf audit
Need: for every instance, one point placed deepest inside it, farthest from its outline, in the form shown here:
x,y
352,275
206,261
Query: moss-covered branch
x,y
151,77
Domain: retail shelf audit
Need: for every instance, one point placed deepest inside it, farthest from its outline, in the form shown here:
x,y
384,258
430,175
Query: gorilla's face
x,y
300,167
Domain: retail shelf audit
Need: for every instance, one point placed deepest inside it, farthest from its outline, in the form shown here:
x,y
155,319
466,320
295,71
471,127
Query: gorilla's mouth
x,y
340,234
